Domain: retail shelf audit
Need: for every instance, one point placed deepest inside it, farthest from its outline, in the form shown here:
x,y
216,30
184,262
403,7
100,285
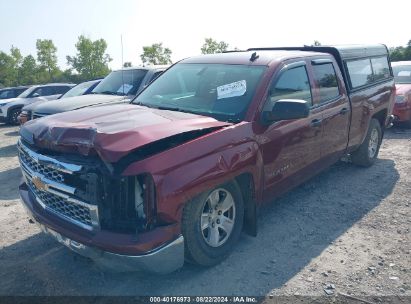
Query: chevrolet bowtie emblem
x,y
39,183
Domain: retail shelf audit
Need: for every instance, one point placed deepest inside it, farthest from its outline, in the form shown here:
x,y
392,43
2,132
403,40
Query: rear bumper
x,y
165,258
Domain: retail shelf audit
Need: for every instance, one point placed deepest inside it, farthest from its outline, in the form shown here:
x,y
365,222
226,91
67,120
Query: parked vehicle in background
x,y
10,111
83,88
181,170
402,107
118,87
7,93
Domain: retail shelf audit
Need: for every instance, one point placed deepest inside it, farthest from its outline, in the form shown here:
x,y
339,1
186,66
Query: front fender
x,y
183,172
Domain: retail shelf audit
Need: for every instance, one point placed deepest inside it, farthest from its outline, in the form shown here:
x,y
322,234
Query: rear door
x,y
291,148
331,100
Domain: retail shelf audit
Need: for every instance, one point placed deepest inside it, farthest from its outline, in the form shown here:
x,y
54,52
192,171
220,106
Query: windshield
x,y
218,90
402,73
125,82
79,89
27,92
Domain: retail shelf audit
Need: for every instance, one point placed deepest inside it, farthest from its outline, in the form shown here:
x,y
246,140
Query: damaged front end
x,y
75,185
86,194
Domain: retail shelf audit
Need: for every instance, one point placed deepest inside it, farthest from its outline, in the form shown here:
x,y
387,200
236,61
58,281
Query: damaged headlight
x,y
128,204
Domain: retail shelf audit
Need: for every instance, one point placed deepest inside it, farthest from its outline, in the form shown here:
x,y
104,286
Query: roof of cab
x,y
265,57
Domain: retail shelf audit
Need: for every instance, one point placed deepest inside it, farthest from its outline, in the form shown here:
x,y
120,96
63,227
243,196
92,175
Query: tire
x,y
213,243
12,118
367,153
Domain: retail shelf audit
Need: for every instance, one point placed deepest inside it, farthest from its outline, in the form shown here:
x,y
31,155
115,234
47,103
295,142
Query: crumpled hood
x,y
402,89
73,103
112,131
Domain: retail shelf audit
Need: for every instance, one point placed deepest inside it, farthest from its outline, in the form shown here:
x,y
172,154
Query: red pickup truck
x,y
180,172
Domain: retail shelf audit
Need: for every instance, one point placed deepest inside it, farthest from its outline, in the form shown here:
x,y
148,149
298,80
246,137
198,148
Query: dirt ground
x,y
349,228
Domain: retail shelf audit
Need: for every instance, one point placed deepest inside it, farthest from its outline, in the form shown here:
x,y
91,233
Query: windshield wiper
x,y
111,93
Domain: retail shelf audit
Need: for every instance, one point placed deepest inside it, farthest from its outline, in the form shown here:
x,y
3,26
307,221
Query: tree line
x,y
91,61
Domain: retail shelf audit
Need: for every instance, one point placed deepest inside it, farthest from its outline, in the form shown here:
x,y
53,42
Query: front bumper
x,y
164,259
2,117
23,119
402,112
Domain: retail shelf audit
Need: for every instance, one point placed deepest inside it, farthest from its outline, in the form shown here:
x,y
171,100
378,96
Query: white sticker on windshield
x,y
404,73
233,89
125,88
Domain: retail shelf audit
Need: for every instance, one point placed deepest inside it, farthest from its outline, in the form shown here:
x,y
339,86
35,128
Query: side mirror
x,y
35,95
286,109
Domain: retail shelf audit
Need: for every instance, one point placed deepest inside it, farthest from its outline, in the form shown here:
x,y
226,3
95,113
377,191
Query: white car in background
x,y
11,108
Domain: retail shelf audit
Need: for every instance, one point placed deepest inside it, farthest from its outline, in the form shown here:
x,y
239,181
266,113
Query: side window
x,y
6,94
292,84
155,75
19,91
44,91
380,68
61,89
360,72
326,79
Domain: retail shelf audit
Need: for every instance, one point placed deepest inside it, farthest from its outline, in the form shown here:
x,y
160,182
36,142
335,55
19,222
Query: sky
x,y
182,25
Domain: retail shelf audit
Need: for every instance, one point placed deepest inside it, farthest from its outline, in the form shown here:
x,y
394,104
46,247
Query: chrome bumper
x,y
162,260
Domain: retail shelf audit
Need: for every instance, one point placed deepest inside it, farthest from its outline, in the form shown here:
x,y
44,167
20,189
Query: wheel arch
x,y
12,108
247,187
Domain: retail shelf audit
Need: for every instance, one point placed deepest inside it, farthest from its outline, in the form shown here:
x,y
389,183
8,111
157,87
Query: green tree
x,y
401,53
9,67
211,46
28,71
7,77
156,54
316,43
91,60
47,58
127,64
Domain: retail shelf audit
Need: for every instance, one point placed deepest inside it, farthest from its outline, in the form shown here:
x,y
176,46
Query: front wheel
x,y
367,153
14,114
212,223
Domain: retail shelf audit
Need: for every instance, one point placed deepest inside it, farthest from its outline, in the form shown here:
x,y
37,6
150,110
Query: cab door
x,y
331,100
290,148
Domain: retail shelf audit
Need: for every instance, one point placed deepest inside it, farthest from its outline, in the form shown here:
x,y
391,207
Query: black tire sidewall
x,y
198,250
14,113
361,156
374,124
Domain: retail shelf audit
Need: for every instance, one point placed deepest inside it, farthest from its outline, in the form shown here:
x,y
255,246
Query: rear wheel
x,y
212,223
13,116
367,153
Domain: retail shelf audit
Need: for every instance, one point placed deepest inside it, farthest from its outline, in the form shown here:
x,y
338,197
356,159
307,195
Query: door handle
x,y
315,123
343,111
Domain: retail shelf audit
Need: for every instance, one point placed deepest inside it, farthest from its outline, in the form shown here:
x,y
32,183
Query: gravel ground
x,y
347,231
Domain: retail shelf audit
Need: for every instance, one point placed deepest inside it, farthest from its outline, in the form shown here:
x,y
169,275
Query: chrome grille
x,y
34,166
61,206
45,177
